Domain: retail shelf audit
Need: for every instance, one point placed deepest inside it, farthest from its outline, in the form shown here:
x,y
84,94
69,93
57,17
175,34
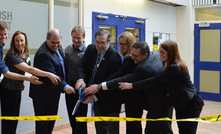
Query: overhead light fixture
x,y
139,21
101,17
123,17
204,24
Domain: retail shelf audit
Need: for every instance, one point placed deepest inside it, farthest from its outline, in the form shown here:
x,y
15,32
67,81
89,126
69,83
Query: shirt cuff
x,y
80,80
3,67
104,85
65,87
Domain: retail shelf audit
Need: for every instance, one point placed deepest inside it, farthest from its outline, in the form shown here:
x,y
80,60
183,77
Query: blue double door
x,y
117,24
207,63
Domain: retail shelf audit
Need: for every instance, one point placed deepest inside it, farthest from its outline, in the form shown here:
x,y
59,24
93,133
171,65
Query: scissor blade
x,y
76,107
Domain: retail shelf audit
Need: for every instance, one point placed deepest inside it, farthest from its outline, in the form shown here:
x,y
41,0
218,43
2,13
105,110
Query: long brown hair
x,y
12,44
172,50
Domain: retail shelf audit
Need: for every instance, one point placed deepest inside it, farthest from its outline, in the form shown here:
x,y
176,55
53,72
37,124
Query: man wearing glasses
x,y
153,100
99,62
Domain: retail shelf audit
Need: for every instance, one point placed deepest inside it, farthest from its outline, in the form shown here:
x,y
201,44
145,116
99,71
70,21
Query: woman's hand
x,y
125,85
54,78
34,80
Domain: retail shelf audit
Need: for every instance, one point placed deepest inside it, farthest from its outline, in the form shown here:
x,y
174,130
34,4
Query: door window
x,y
135,32
116,25
112,31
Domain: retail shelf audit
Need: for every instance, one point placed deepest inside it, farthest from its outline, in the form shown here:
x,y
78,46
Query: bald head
x,y
53,32
53,39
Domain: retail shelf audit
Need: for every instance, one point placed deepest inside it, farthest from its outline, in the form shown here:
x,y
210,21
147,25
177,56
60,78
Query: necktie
x,y
62,62
95,69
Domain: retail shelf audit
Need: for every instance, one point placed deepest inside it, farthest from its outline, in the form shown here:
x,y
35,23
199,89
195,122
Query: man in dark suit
x,y
99,62
49,57
148,64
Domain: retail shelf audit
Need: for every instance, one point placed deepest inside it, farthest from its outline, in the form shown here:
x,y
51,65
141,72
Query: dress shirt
x,y
63,67
3,67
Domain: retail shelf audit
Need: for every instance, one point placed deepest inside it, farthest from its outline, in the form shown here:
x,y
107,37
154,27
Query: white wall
x,y
159,17
32,18
27,17
185,34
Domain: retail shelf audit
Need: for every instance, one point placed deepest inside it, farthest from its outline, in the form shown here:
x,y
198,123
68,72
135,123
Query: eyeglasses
x,y
122,44
102,43
163,52
135,56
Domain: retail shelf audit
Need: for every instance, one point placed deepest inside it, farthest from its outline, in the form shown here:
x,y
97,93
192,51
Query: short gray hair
x,y
103,32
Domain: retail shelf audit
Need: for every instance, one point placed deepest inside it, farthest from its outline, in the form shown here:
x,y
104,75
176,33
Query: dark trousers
x,y
134,109
43,109
10,106
77,127
192,110
102,127
158,107
159,127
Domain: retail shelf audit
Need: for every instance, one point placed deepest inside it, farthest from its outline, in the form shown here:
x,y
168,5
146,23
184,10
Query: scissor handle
x,y
81,94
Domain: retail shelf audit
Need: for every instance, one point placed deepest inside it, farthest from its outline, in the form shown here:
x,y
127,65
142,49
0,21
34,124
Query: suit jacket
x,y
145,69
153,97
47,60
108,101
126,68
179,88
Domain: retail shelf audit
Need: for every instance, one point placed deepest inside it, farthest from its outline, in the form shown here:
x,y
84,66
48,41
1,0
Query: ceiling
x,y
166,2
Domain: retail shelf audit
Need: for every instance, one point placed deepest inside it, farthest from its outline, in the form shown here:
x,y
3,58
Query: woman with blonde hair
x,y
126,40
18,61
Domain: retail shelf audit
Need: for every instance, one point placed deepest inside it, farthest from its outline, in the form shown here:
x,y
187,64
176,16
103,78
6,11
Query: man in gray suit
x,y
148,65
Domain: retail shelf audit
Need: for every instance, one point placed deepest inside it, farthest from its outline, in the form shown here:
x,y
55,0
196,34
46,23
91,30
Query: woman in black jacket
x,y
180,91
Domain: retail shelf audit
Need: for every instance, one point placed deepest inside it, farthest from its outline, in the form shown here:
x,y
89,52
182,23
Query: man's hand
x,y
91,90
89,99
34,80
79,84
70,90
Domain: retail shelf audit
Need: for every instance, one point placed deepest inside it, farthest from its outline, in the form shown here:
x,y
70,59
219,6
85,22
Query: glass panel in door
x,y
135,32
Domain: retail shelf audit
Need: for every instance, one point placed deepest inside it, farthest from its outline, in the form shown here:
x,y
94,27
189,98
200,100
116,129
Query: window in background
x,y
208,14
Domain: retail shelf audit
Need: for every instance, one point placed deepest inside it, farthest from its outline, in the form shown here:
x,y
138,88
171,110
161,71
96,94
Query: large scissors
x,y
81,99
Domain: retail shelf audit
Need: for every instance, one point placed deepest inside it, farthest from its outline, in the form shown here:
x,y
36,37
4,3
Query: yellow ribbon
x,y
206,119
36,118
